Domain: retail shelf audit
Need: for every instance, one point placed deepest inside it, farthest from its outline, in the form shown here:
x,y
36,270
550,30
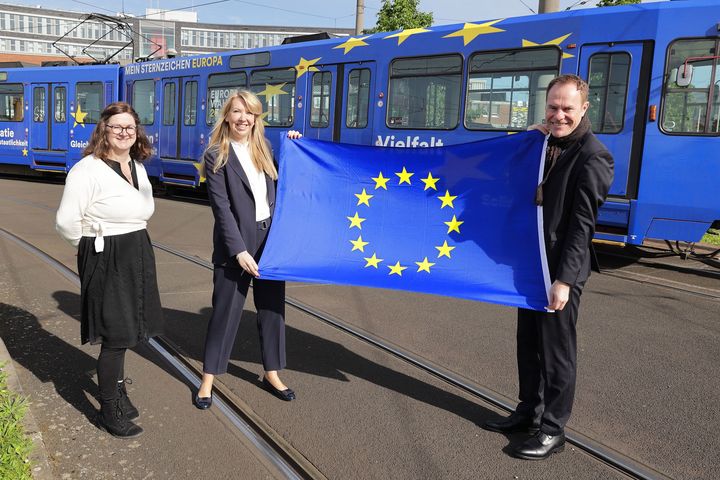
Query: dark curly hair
x,y
99,147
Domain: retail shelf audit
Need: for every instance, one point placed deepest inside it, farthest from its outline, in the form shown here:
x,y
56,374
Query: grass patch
x,y
712,236
15,446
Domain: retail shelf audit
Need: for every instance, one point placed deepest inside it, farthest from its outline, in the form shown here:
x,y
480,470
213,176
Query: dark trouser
x,y
547,362
110,370
230,288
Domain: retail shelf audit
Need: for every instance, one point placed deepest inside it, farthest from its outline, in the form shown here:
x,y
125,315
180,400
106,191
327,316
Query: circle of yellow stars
x,y
403,177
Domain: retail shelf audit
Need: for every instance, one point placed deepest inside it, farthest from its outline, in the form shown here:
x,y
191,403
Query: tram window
x,y
425,92
222,86
320,100
694,109
11,102
608,80
358,101
89,99
169,103
38,104
276,90
190,107
60,104
143,100
506,89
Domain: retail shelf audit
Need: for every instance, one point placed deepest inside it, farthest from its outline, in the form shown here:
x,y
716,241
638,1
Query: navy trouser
x,y
547,363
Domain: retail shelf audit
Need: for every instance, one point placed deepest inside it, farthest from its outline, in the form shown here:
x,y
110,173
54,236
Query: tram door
x,y
320,103
619,77
179,123
356,122
49,130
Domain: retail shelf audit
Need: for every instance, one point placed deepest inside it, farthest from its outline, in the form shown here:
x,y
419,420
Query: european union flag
x,y
458,221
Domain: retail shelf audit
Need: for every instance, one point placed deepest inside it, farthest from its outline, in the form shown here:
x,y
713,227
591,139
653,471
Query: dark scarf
x,y
555,148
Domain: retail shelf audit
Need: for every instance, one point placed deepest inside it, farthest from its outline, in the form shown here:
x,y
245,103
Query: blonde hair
x,y
259,150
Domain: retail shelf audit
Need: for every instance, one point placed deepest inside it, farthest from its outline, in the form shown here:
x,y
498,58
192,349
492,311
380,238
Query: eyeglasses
x,y
117,129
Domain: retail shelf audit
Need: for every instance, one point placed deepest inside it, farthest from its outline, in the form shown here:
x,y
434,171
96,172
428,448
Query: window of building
x,y
38,104
143,100
89,98
276,89
608,80
11,102
694,109
358,101
424,92
221,87
320,100
169,102
190,105
506,89
59,104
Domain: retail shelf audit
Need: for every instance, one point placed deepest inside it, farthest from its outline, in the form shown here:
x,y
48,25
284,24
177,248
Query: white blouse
x,y
256,179
97,202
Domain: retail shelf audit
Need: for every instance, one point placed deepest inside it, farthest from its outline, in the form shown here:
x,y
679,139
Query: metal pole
x,y
547,6
359,17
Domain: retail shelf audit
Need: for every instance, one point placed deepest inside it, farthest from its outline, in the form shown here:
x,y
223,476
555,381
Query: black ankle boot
x,y
112,420
130,411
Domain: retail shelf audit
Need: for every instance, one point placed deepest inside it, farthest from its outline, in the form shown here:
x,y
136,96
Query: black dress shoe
x,y
513,424
286,394
203,403
540,446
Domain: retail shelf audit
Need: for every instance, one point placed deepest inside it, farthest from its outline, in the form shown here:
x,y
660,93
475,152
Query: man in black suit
x,y
578,174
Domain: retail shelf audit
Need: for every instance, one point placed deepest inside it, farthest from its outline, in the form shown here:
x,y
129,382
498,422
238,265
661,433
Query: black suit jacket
x,y
572,194
233,207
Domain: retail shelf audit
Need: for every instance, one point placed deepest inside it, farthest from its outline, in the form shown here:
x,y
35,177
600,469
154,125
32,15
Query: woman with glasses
x,y
104,211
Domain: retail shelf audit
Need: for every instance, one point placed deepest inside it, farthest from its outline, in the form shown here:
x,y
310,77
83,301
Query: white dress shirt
x,y
256,179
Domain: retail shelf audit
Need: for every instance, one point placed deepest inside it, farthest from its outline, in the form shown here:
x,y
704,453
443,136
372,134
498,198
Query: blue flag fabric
x,y
458,221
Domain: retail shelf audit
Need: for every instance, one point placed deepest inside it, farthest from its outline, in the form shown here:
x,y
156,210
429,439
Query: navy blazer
x,y
233,207
572,195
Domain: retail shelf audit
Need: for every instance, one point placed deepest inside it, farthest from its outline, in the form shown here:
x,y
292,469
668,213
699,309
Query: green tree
x,y
613,3
399,15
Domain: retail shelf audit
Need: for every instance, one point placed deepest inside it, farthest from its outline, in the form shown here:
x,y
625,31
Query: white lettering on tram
x,y
407,142
7,133
78,144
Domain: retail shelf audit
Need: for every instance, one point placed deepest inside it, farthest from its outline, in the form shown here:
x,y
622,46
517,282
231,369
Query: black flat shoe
x,y
513,424
286,394
203,403
540,446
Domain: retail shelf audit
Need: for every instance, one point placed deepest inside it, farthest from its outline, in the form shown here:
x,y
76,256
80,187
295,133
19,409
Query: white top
x,y
97,201
256,179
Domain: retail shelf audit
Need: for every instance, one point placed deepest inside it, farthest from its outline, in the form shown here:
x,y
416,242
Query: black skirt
x,y
119,292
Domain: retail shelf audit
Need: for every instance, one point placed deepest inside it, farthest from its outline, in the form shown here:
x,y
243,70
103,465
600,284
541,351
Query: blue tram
x,y
653,70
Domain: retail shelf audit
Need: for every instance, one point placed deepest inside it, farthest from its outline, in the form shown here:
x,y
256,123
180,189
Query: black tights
x,y
110,370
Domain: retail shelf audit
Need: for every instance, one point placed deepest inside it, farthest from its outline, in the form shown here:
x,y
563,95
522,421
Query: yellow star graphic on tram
x,y
372,261
79,117
554,41
355,221
271,90
429,182
263,116
454,225
404,176
472,30
396,269
358,244
444,250
352,43
424,266
25,152
380,181
364,198
200,167
402,36
447,200
306,66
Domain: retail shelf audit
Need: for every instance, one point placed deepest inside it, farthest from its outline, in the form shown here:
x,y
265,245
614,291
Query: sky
x,y
325,13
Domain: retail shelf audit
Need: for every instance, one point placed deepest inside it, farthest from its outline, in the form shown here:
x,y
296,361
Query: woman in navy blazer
x,y
241,178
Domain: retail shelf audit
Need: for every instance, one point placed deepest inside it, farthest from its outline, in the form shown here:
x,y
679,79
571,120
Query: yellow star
x,y
444,250
404,176
263,116
472,30
200,167
402,36
447,200
306,66
364,198
271,90
358,244
79,117
356,221
380,181
25,152
372,261
424,265
352,43
453,225
554,41
396,269
430,182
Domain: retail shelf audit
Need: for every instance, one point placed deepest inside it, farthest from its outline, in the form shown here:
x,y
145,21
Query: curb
x,y
41,469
